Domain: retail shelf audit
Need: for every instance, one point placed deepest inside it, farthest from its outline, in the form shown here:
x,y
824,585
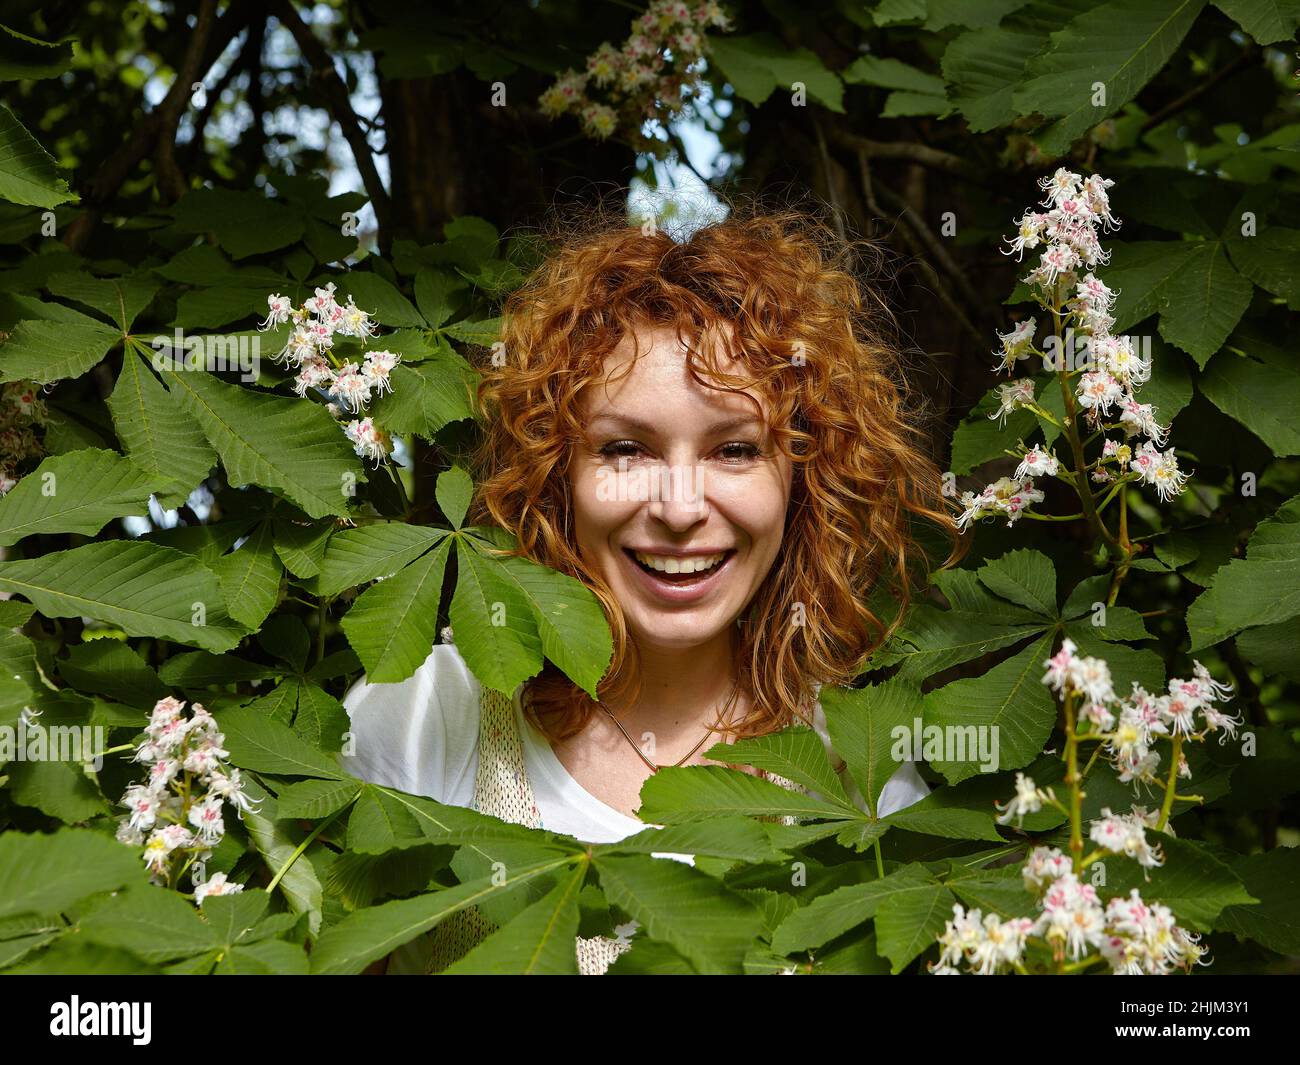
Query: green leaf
x,y
739,839
1122,44
756,65
301,545
435,294
198,669
369,552
942,813
277,841
46,873
152,923
78,492
482,334
1170,388
380,299
1203,302
75,957
707,924
1138,271
250,578
892,12
540,940
1269,259
1009,698
24,57
1001,891
940,14
158,437
698,793
282,444
980,438
1128,663
321,719
28,173
367,935
797,754
891,74
393,625
986,67
569,618
908,922
934,639
113,669
1192,882
426,395
145,589
834,913
1260,393
120,298
453,492
384,819
1272,648
861,724
1274,879
60,789
1268,21
246,222
315,800
1260,589
1025,577
51,351
270,957
265,746
494,622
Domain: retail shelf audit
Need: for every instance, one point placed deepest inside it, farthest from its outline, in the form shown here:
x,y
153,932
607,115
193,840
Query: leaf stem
x,y
298,851
1175,757
1073,779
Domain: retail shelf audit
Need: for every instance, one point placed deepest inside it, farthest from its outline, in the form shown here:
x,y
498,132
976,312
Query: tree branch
x,y
1248,55
869,194
171,182
243,61
118,167
933,158
935,247
340,107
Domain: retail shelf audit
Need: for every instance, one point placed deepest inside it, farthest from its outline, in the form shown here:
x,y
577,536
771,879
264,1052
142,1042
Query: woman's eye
x,y
738,451
734,452
620,449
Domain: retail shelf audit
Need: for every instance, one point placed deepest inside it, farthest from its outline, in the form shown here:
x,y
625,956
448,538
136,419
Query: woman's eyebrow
x,y
632,422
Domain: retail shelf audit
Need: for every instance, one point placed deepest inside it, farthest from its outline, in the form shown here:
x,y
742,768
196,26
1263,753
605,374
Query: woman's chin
x,y
675,634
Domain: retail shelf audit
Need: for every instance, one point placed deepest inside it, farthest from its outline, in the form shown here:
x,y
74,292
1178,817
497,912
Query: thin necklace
x,y
654,768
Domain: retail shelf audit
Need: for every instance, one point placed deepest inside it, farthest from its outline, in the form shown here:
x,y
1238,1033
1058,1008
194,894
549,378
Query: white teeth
x,y
668,564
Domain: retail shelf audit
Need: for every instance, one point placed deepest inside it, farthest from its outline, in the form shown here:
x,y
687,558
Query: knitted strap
x,y
502,789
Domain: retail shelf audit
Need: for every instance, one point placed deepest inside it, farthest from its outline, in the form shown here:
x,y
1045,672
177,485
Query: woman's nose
x,y
680,497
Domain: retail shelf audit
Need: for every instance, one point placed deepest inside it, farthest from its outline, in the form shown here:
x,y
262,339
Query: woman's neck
x,y
682,690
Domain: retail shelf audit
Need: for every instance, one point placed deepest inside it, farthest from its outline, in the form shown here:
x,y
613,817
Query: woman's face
x,y
675,476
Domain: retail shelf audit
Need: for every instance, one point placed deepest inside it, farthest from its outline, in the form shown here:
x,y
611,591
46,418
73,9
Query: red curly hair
x,y
815,343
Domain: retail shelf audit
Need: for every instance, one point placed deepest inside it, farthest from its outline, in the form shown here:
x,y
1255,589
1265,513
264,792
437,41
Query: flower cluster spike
x,y
1131,727
1132,936
1071,925
1110,371
177,815
650,77
350,385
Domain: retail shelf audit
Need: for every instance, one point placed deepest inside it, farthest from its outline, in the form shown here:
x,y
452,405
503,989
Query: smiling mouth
x,y
696,576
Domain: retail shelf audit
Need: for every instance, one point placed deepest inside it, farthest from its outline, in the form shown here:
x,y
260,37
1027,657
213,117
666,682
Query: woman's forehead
x,y
651,366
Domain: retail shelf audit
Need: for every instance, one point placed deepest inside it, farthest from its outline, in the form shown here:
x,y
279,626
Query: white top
x,y
420,735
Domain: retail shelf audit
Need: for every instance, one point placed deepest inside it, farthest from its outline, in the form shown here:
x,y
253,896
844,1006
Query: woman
x,y
710,435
